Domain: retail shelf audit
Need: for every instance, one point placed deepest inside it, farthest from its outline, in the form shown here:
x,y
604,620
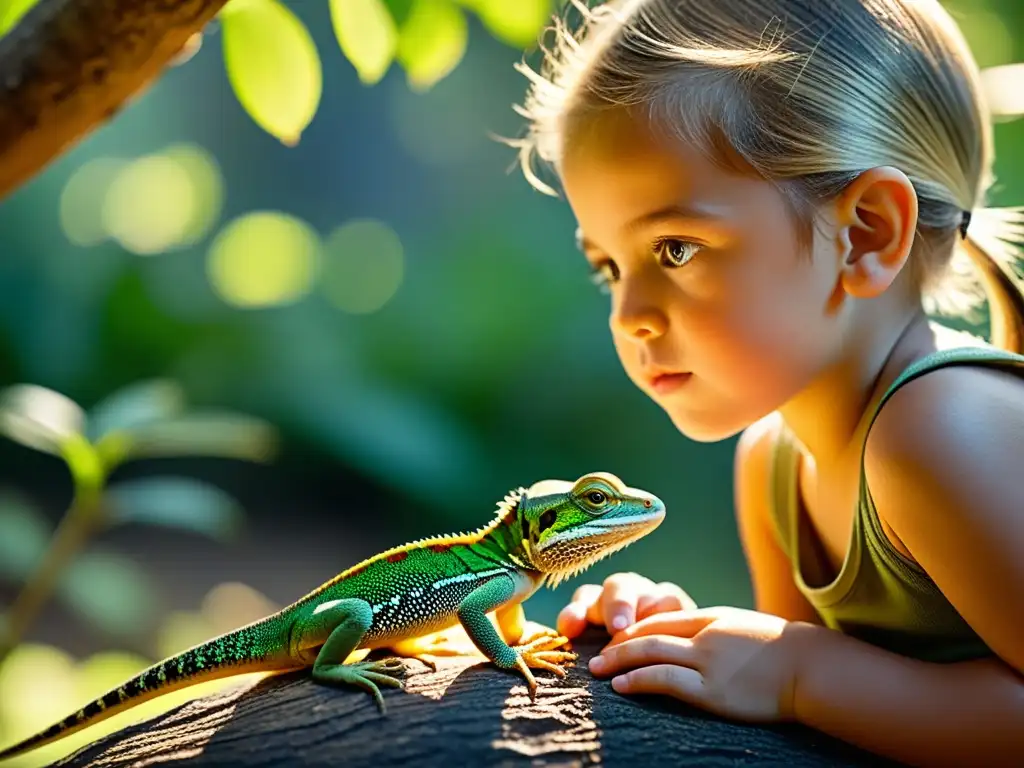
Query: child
x,y
773,193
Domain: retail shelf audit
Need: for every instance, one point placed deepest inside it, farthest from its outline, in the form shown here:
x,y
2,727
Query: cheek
x,y
627,351
772,325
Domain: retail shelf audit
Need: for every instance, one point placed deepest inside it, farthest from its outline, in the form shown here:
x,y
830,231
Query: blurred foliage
x,y
40,683
145,420
381,292
275,68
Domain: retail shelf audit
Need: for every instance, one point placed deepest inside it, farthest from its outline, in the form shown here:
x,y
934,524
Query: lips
x,y
664,382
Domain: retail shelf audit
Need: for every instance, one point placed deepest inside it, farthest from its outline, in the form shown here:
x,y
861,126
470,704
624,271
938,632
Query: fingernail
x,y
619,622
597,663
619,683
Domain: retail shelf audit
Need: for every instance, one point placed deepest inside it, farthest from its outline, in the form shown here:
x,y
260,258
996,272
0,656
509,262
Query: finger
x,y
664,598
572,619
678,623
619,600
686,603
644,651
681,683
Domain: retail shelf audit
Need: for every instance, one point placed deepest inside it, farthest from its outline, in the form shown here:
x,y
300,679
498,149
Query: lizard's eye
x,y
546,520
597,498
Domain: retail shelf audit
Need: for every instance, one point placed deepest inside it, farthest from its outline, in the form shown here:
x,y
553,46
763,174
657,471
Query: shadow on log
x,y
465,713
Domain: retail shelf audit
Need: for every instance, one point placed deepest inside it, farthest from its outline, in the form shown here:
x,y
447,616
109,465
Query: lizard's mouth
x,y
566,556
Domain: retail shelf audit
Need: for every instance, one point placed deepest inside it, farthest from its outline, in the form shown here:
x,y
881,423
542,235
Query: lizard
x,y
396,600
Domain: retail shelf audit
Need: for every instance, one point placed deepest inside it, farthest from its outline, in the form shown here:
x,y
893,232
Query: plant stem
x,y
77,525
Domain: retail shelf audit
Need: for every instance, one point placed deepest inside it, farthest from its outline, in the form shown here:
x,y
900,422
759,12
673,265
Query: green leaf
x,y
367,35
133,405
39,418
86,462
24,533
431,42
400,9
174,502
273,66
111,590
212,433
11,12
516,22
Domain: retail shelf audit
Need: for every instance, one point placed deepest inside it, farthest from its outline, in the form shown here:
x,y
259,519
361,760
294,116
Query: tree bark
x,y
69,65
466,713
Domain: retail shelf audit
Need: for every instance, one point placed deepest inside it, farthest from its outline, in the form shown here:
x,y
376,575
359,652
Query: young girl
x,y
774,192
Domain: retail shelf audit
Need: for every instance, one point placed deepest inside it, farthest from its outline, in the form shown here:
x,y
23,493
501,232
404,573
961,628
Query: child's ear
x,y
877,215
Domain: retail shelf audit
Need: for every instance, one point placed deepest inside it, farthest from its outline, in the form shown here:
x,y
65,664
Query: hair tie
x,y
964,222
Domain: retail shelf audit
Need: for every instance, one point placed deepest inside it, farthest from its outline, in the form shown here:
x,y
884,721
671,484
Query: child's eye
x,y
674,252
603,274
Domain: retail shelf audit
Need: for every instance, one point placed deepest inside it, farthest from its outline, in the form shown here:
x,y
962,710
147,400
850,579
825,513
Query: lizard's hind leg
x,y
347,621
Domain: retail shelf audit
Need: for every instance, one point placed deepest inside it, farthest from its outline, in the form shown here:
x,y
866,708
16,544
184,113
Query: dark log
x,y
69,65
465,713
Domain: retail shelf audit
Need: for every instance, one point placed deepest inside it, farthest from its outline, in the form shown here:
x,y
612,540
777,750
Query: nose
x,y
638,319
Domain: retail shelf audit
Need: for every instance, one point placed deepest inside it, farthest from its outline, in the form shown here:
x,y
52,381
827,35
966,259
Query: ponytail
x,y
992,243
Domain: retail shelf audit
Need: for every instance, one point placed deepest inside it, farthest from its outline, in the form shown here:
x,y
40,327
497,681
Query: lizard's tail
x,y
256,647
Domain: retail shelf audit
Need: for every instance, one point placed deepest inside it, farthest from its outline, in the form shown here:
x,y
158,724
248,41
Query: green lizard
x,y
396,599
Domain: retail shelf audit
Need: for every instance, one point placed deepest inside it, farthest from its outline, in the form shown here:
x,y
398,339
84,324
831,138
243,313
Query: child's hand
x,y
623,599
732,662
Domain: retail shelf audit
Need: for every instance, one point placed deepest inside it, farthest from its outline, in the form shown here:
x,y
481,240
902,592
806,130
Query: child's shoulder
x,y
942,461
961,413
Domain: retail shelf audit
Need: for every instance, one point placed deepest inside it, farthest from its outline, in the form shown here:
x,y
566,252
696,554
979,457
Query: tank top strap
x,y
876,538
783,489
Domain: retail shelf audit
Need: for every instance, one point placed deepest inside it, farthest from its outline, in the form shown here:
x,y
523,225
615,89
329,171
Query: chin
x,y
709,428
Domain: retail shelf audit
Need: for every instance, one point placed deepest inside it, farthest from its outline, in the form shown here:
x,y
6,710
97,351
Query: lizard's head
x,y
568,527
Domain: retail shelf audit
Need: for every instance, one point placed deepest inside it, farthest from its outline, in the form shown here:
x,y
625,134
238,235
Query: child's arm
x,y
771,572
944,468
969,713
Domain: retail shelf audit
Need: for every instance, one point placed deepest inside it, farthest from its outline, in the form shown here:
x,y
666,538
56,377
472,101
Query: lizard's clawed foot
x,y
367,675
547,641
539,654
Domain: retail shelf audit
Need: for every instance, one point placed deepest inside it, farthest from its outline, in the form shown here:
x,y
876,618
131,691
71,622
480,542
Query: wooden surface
x,y
468,713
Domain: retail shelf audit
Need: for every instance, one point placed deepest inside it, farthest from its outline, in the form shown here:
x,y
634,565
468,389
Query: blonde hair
x,y
806,94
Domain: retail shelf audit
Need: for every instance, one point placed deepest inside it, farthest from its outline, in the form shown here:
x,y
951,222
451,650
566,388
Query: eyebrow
x,y
673,212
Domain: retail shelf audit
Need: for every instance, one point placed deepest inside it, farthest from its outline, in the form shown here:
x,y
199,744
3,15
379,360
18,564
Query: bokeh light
x,y
159,202
363,266
263,259
149,205
81,201
1004,90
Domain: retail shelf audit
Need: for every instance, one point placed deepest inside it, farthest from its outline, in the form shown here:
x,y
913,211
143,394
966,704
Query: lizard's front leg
x,y
513,624
473,616
343,624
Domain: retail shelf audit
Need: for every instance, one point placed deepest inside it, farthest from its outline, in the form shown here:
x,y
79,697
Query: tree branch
x,y
465,713
69,65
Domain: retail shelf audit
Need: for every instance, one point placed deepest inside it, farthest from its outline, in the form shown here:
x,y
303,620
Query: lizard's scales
x,y
539,535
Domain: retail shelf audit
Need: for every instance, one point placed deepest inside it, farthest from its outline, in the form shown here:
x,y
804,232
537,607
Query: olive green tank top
x,y
879,595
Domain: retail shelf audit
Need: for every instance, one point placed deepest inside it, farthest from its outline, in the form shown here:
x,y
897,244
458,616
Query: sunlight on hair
x,y
263,259
363,266
808,100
